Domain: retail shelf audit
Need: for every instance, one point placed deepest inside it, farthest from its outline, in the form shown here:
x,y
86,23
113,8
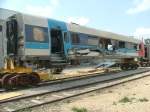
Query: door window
x,y
56,40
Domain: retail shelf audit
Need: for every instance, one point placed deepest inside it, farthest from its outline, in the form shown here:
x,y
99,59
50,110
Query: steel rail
x,y
77,87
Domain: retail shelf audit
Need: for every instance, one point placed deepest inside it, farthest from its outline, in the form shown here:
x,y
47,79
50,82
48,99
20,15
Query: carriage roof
x,y
99,33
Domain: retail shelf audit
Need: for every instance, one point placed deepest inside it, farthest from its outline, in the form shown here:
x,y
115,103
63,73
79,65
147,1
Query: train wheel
x,y
1,75
52,70
135,66
17,80
130,67
123,67
143,65
14,81
10,81
147,65
22,80
5,81
56,70
25,80
59,70
35,79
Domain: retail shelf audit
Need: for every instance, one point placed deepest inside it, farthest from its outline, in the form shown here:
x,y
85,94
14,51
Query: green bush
x,y
143,100
75,109
125,100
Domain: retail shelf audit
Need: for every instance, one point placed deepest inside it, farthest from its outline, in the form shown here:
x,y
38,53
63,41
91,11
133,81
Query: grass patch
x,y
133,98
25,110
68,101
75,109
98,91
110,91
143,100
130,100
114,103
126,100
134,94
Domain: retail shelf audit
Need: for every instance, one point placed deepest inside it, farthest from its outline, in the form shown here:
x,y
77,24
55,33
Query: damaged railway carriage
x,y
34,43
105,48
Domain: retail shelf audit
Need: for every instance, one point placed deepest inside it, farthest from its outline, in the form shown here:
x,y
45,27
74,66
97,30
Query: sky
x,y
127,17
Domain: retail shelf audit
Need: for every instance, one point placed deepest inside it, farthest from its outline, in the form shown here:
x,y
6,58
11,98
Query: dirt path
x,y
128,97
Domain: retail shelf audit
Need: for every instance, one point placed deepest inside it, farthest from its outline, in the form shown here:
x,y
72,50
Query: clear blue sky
x,y
121,16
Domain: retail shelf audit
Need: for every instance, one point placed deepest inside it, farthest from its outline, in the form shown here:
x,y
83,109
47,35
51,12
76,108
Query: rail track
x,y
54,81
62,90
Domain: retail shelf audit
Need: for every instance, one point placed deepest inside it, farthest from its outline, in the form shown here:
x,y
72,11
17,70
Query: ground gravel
x,y
133,96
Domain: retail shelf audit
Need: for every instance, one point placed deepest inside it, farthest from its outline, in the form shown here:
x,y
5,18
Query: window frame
x,y
81,39
29,34
124,46
77,40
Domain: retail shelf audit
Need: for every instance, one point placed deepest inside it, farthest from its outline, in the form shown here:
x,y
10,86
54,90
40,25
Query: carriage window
x,y
93,41
84,39
135,46
87,39
121,44
36,34
0,28
75,38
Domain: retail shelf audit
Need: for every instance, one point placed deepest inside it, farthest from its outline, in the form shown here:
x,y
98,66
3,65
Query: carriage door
x,y
57,46
66,42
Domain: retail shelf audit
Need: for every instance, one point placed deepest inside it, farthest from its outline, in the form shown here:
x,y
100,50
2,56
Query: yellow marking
x,y
5,96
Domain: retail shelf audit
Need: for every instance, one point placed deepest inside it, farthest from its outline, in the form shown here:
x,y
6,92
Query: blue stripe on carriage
x,y
84,46
36,45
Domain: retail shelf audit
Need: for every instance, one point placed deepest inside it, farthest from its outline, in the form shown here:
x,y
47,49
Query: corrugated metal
x,y
99,33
